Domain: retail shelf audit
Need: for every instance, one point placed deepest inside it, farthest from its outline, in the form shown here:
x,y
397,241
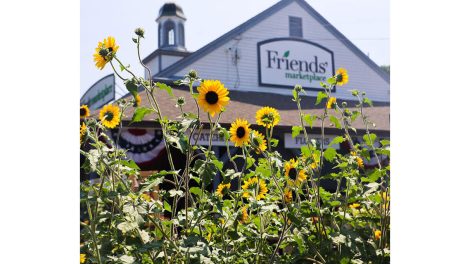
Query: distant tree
x,y
386,68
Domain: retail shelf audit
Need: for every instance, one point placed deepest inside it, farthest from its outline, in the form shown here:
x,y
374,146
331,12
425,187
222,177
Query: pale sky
x,y
365,22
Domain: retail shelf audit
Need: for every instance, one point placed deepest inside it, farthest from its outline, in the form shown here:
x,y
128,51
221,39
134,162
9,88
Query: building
x,y
260,62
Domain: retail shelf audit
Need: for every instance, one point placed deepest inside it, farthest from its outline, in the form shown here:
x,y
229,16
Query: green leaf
x,y
320,96
132,86
335,121
385,142
295,94
305,151
218,164
296,131
367,101
337,140
205,170
335,203
140,113
354,115
249,162
274,142
196,190
370,141
374,176
331,80
165,87
286,53
167,206
309,119
329,154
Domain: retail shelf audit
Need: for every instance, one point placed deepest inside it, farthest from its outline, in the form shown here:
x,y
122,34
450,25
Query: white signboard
x,y
285,62
299,141
100,93
204,138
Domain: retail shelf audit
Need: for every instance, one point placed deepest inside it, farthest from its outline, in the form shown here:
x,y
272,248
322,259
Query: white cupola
x,y
171,27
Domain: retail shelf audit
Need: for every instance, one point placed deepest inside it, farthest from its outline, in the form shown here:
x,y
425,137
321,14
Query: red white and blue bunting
x,y
143,145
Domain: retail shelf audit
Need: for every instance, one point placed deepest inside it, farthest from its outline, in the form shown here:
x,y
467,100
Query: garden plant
x,y
269,210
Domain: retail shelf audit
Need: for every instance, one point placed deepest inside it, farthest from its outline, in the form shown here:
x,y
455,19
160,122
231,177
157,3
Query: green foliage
x,y
296,131
171,216
320,97
165,87
140,113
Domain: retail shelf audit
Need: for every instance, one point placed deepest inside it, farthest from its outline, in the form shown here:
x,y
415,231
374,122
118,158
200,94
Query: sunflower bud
x,y
180,101
298,88
355,93
344,104
139,32
193,74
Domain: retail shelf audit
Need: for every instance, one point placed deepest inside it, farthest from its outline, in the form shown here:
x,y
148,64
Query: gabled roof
x,y
172,69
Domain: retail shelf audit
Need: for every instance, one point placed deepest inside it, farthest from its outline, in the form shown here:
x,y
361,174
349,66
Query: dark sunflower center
x,y
240,132
339,78
292,174
212,97
108,116
82,111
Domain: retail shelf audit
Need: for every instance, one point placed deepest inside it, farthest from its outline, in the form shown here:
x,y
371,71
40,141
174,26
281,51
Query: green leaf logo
x,y
286,54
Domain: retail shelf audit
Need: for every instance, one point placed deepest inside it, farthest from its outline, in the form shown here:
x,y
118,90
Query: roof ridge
x,y
172,69
215,43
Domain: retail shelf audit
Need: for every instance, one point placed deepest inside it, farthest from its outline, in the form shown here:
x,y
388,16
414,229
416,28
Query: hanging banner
x,y
142,144
100,93
300,141
285,62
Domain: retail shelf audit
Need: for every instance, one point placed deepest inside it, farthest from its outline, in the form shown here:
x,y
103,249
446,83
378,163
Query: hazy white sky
x,y
364,22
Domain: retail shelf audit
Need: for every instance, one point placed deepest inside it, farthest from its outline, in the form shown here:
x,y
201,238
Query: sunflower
x,y
84,111
109,116
267,117
290,172
240,132
259,142
244,215
252,185
223,189
360,162
377,234
137,100
330,103
82,132
105,51
354,205
287,195
82,258
313,161
212,96
341,77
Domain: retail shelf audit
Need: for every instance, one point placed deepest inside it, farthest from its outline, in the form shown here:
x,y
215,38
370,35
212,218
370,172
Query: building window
x,y
295,27
171,37
181,34
169,33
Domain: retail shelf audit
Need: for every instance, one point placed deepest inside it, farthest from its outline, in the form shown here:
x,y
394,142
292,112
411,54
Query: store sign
x,y
100,93
204,138
285,62
300,141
